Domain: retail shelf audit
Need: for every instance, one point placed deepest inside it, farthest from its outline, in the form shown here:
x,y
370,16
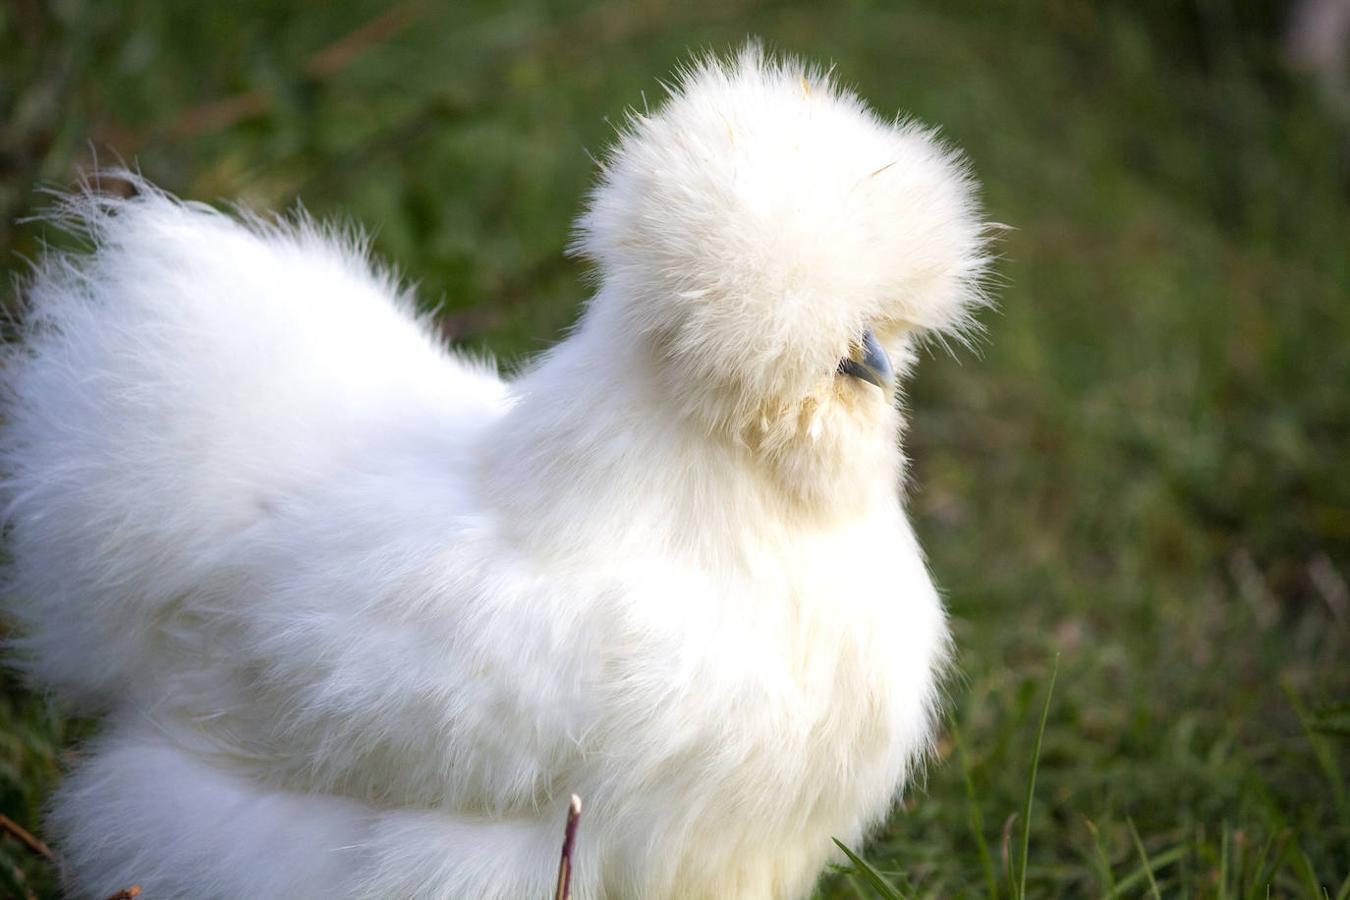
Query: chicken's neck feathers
x,y
592,453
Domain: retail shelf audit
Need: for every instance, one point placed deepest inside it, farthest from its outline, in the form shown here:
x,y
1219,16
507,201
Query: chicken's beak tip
x,y
870,363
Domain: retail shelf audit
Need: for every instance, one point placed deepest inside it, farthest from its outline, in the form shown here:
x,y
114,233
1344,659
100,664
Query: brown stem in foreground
x,y
564,891
25,837
327,61
127,893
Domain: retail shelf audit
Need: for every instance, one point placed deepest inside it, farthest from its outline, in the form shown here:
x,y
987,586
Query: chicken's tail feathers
x,y
174,383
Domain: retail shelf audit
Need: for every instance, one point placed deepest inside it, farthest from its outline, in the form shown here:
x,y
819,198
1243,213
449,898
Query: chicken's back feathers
x,y
172,388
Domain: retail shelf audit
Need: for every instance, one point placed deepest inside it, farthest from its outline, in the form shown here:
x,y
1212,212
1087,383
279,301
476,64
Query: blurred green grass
x,y
1142,471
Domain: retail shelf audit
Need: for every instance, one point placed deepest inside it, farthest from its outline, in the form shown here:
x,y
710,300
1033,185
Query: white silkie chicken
x,y
362,615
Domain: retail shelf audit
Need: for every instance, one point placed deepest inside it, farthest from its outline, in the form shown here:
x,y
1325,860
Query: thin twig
x,y
564,891
326,62
25,837
127,893
340,54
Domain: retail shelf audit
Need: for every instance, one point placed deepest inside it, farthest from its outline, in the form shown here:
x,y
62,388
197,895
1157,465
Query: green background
x,y
1140,470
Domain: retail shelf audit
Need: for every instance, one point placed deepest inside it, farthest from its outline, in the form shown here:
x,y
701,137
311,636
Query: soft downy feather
x,y
362,616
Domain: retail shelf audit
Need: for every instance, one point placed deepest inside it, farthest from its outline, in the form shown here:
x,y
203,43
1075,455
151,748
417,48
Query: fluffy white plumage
x,y
362,616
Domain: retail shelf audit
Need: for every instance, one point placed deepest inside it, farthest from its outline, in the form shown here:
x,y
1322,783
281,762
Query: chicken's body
x,y
363,616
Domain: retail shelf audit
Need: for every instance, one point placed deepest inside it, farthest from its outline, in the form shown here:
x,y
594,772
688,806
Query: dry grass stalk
x,y
564,891
23,836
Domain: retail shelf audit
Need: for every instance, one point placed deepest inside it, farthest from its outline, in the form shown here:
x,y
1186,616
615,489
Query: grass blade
x,y
1307,874
870,875
1145,872
1326,759
1148,865
974,819
1103,864
1021,890
1223,863
1259,876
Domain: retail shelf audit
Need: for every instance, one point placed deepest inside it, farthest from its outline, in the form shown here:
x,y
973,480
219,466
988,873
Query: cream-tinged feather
x,y
362,616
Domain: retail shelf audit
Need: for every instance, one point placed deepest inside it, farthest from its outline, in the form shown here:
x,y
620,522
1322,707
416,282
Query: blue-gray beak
x,y
870,363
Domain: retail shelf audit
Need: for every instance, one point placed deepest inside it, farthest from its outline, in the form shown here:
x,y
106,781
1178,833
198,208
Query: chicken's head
x,y
775,249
